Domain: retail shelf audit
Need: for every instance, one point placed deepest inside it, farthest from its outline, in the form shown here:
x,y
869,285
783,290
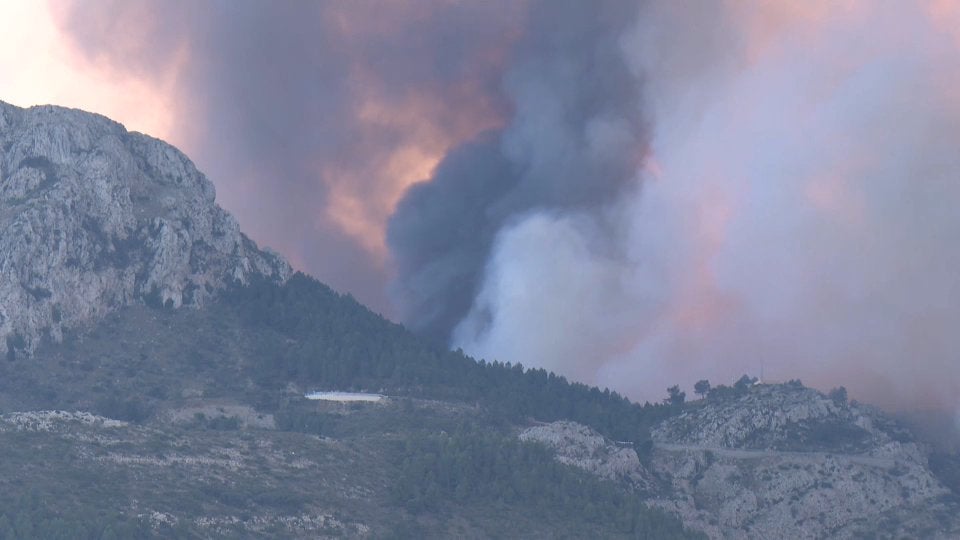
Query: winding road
x,y
736,453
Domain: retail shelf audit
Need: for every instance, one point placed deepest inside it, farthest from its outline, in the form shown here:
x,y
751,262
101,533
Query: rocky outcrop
x,y
781,417
784,461
44,421
580,446
93,217
775,461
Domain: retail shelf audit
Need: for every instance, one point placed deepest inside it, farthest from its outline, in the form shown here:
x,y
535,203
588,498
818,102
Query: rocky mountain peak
x,y
94,217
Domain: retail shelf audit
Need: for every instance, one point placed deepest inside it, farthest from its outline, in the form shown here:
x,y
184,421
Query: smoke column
x,y
634,194
574,141
798,210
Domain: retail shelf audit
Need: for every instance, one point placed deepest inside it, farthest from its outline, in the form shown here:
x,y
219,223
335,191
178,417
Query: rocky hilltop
x,y
578,445
777,461
94,217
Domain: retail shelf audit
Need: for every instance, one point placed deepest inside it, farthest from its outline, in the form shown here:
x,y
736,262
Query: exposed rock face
x,y
580,446
780,417
778,461
54,420
784,461
93,217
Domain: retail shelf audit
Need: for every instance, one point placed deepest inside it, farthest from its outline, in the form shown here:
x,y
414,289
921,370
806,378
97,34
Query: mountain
x,y
784,460
777,461
95,218
160,369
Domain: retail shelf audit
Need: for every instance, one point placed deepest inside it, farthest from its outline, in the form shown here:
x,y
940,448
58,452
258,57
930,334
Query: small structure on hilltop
x,y
344,397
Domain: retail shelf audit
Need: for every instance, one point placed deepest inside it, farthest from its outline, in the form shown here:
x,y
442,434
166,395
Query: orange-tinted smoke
x,y
879,235
382,138
434,121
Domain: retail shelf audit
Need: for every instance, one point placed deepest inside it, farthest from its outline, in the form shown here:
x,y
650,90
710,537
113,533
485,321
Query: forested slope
x,y
439,458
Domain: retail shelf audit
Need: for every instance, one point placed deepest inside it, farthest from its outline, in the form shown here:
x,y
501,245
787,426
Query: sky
x,y
631,193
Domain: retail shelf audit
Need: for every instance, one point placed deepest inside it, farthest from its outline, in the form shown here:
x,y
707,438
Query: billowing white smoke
x,y
801,210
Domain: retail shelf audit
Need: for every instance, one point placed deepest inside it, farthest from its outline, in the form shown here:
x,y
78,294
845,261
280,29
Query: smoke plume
x,y
634,194
574,141
795,216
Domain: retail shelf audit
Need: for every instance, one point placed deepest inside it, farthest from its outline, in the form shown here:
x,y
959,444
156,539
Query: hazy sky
x,y
631,193
40,65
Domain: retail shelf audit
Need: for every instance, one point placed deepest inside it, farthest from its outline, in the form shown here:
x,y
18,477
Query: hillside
x,y
203,422
217,396
784,460
777,461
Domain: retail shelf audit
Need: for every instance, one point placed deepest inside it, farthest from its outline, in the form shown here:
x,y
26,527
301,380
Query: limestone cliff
x,y
94,217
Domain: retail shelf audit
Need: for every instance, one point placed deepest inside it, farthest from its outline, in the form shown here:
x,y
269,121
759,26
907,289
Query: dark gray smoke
x,y
287,105
283,102
574,141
